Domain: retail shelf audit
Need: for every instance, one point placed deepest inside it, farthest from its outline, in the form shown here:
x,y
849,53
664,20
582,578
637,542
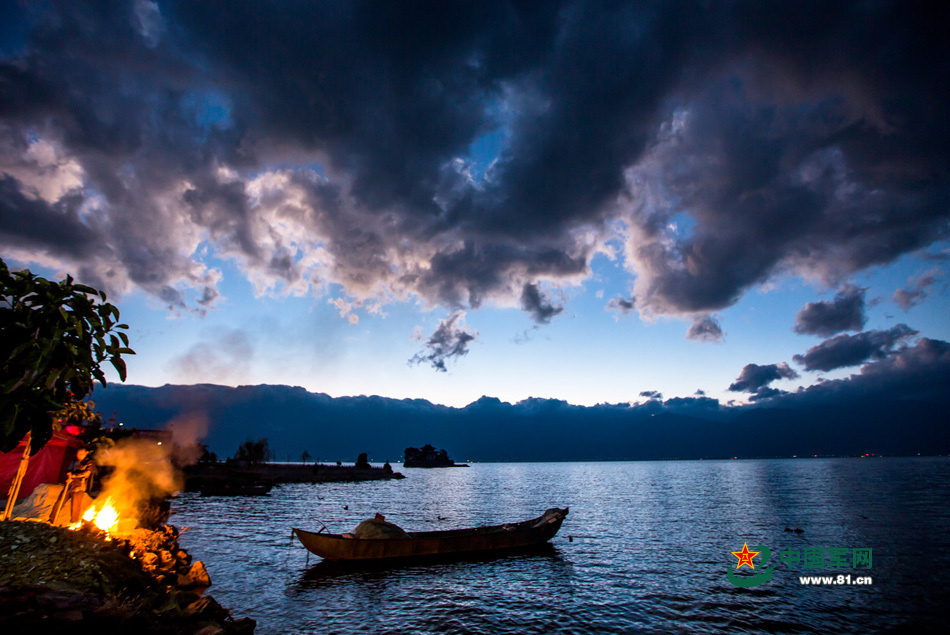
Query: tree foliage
x,y
207,456
54,339
253,451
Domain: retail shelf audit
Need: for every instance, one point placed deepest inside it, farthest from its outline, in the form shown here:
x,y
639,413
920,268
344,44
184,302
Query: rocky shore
x,y
142,583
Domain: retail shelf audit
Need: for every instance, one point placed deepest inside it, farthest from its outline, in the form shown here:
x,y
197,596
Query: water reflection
x,y
651,548
541,559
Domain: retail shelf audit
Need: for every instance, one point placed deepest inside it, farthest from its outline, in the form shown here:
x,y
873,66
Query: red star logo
x,y
745,556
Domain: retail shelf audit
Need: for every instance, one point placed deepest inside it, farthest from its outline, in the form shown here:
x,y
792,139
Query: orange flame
x,y
106,517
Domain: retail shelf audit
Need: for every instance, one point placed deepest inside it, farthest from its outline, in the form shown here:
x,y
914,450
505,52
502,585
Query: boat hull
x,y
434,543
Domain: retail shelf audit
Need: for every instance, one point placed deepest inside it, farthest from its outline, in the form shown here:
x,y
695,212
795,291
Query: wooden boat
x,y
435,543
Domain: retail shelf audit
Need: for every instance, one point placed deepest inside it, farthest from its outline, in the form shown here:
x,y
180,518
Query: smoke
x,y
187,432
141,470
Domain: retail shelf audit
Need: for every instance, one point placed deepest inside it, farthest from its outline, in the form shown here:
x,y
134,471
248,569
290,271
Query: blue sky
x,y
586,356
568,201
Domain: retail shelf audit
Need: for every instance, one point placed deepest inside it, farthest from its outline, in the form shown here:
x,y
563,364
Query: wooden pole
x,y
17,480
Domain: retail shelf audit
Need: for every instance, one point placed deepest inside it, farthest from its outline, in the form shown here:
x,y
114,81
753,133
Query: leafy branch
x,y
55,338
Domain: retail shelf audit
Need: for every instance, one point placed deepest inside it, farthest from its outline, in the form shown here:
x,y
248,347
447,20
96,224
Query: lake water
x,y
651,549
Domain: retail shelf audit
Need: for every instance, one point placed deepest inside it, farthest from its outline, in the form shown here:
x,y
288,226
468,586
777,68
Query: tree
x,y
305,456
253,451
54,339
207,456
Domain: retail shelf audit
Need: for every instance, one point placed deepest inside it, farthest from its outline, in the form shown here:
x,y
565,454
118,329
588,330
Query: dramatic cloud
x,y
705,328
919,372
756,379
852,350
844,313
537,306
313,144
915,291
450,340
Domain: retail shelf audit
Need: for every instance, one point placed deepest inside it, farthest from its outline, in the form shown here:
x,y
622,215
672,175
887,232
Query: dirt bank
x,y
52,578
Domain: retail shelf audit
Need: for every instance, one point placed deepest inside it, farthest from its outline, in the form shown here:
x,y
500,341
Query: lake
x,y
646,548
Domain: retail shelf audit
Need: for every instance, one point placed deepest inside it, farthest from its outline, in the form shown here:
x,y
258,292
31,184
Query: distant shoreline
x,y
198,477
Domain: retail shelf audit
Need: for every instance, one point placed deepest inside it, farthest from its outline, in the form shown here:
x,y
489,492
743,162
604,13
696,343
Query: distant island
x,y
428,456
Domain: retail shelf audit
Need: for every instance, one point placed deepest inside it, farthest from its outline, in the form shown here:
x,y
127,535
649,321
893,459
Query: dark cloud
x,y
622,305
766,392
918,372
705,328
450,340
844,313
852,350
318,143
652,394
754,378
31,223
537,306
915,292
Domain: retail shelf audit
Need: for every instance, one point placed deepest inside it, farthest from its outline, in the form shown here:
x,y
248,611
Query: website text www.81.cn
x,y
841,579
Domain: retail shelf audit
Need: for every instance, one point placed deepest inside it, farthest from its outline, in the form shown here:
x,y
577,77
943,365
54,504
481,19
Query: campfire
x,y
137,477
105,517
132,509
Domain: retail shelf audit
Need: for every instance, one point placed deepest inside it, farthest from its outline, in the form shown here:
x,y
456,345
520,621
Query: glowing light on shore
x,y
105,518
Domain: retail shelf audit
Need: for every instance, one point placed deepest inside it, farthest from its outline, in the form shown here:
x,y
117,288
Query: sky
x,y
593,202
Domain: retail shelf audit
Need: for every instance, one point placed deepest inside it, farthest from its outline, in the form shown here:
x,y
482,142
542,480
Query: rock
x,y
196,576
243,626
206,608
210,629
51,578
171,604
428,456
168,560
149,561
